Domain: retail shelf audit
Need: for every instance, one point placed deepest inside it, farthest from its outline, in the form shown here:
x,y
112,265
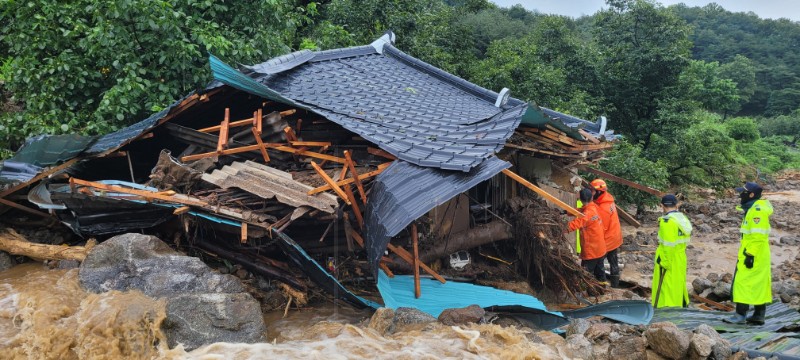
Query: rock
x,y
721,216
713,277
469,314
203,307
550,338
581,346
667,340
382,320
790,287
699,285
700,347
598,331
68,264
652,355
704,229
614,336
600,352
195,320
405,318
578,327
707,292
722,290
726,277
785,298
6,262
790,240
628,348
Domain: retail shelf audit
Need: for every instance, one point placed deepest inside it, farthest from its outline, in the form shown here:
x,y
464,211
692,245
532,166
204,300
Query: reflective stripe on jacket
x,y
674,232
608,213
593,244
754,285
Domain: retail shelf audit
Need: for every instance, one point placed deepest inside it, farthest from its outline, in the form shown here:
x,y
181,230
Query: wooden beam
x,y
231,124
542,193
407,257
24,208
354,204
414,241
243,239
345,182
311,154
181,210
330,182
381,153
222,142
352,166
242,149
357,237
261,146
628,218
290,135
622,181
310,143
589,137
385,269
149,195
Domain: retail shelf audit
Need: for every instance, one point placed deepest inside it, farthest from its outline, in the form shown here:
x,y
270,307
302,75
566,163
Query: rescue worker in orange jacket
x,y
611,227
593,244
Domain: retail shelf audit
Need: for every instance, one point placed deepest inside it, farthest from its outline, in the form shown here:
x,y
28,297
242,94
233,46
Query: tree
x,y
743,129
626,160
783,125
644,49
704,84
743,72
92,67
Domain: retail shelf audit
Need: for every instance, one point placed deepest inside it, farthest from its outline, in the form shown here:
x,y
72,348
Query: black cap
x,y
669,200
586,195
749,187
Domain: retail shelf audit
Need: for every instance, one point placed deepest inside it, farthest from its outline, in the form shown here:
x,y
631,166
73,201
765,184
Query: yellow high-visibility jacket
x,y
674,232
754,285
578,233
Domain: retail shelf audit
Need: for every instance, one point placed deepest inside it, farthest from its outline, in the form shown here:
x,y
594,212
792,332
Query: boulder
x,y
726,277
700,347
713,277
667,340
6,262
578,326
720,348
699,285
381,321
722,290
203,307
628,348
652,355
469,314
598,331
581,346
790,240
791,287
407,318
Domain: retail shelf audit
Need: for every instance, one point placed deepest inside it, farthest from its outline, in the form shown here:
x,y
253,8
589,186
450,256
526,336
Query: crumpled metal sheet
x,y
404,192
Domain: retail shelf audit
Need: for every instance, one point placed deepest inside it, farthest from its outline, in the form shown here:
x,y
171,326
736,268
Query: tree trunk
x,y
481,235
14,243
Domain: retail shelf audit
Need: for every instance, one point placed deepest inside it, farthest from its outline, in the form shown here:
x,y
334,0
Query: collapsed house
x,y
360,158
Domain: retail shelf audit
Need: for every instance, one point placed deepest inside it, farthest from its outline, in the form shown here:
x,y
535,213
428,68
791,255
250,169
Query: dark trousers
x,y
595,266
613,261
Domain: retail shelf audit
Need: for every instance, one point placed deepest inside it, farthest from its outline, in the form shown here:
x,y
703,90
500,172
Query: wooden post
x,y
244,233
222,142
354,204
408,258
344,182
542,193
623,181
352,166
414,240
330,182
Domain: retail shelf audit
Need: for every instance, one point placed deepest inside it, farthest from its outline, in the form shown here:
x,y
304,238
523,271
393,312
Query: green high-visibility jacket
x,y
754,285
674,232
578,233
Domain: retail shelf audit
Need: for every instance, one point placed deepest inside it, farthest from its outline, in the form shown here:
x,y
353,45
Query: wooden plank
x,y
310,143
407,257
345,182
354,204
714,304
622,181
310,154
222,142
385,269
352,166
143,193
357,237
628,218
261,146
546,152
242,149
181,210
330,182
589,137
414,241
542,193
290,135
231,124
24,208
244,233
381,153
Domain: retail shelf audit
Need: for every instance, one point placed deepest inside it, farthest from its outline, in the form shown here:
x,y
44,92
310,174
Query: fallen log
x,y
14,243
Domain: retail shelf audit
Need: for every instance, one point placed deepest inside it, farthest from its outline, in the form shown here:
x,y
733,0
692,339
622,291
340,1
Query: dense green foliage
x,y
703,97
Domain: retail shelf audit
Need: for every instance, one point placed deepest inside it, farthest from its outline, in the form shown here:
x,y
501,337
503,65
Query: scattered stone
x,y
581,346
600,352
790,240
705,229
713,277
652,355
699,285
203,307
598,331
629,348
720,348
700,347
578,327
667,340
6,262
726,277
382,320
722,290
405,318
469,314
68,264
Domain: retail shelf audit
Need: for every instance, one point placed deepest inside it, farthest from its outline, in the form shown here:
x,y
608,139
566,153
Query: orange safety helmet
x,y
599,184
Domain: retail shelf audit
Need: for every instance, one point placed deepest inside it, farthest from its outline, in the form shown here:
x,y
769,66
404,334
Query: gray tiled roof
x,y
404,192
411,109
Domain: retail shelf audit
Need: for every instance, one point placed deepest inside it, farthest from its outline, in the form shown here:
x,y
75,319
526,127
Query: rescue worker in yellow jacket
x,y
752,280
674,232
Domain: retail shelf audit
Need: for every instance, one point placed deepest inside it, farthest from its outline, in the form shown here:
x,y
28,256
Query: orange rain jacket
x,y
608,213
593,244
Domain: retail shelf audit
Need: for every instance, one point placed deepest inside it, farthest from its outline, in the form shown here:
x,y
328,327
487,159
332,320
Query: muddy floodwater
x,y
45,314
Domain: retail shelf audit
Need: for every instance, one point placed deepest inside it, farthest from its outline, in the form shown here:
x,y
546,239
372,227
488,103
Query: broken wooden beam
x,y
415,246
345,181
542,193
352,166
330,182
628,218
222,142
407,257
141,193
181,210
622,181
24,208
381,153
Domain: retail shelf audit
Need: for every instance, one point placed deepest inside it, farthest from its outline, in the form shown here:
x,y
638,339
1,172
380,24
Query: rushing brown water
x,y
44,314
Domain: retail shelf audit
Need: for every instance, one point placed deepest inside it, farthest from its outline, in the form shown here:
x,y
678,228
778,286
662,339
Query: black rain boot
x,y
614,280
740,316
758,315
